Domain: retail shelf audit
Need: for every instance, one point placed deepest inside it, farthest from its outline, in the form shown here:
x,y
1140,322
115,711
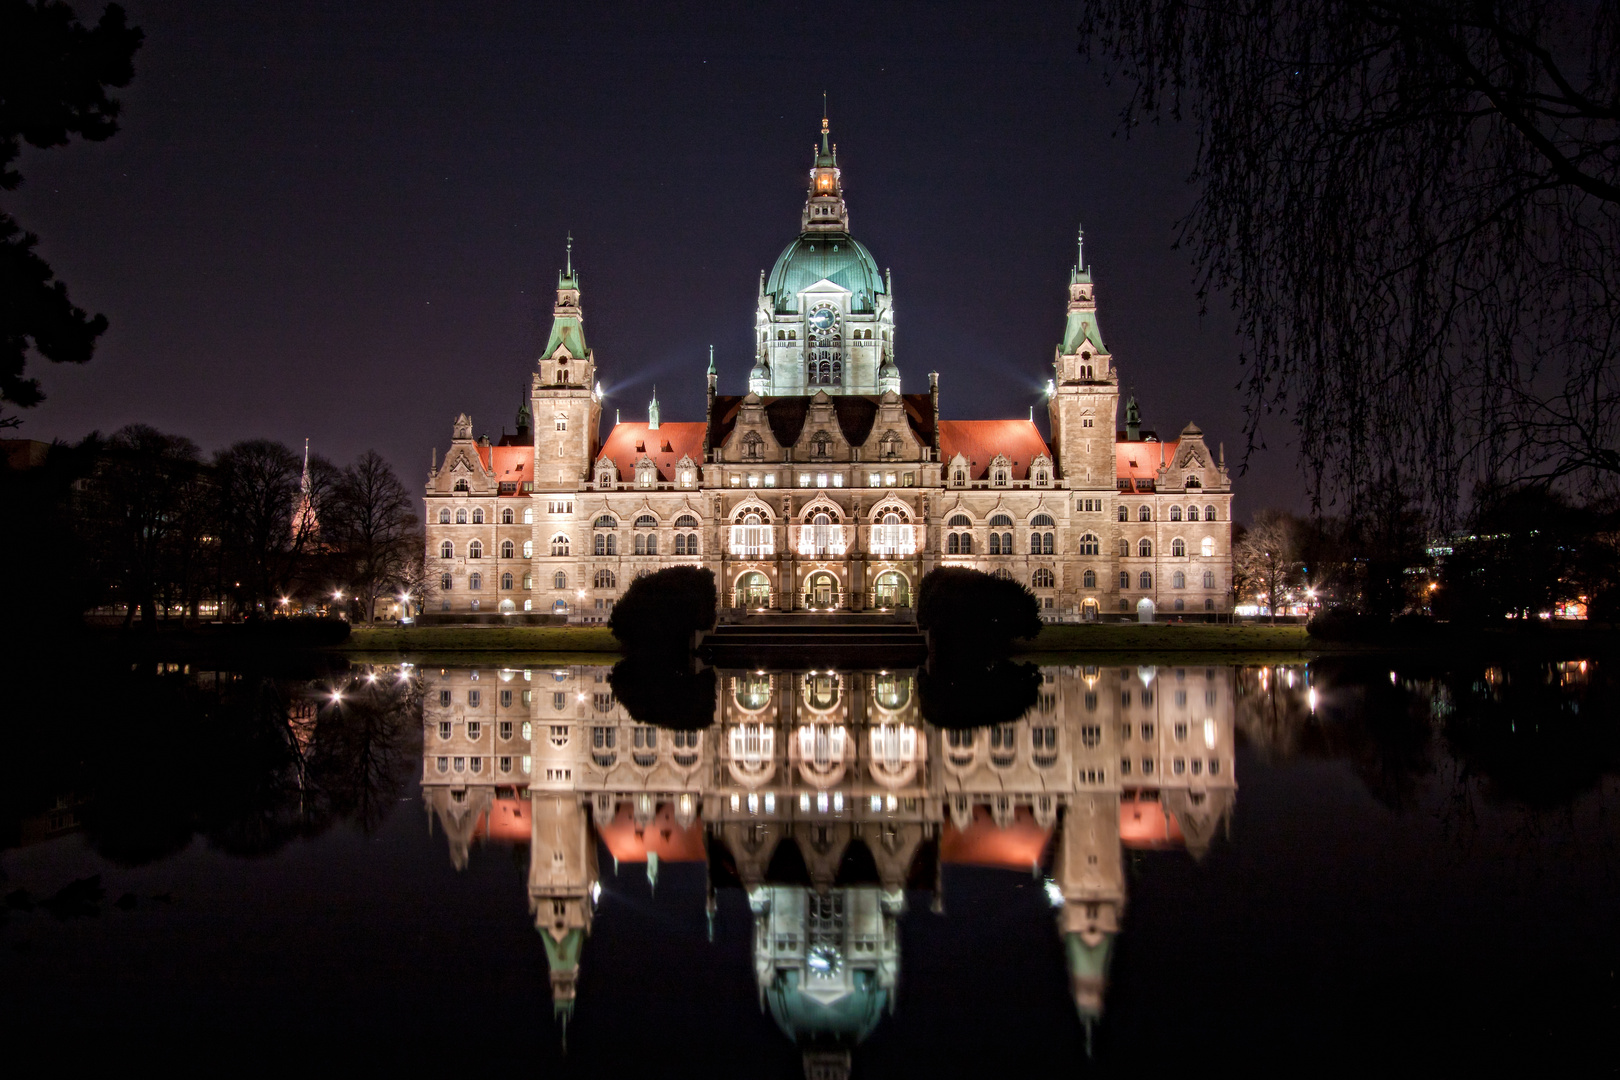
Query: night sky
x,y
345,221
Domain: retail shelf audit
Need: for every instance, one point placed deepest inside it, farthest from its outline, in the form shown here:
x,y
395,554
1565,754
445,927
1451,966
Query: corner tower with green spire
x,y
1083,400
566,408
825,320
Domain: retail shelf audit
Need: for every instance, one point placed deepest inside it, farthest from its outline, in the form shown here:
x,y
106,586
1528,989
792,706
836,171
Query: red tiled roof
x,y
979,441
508,819
666,445
1016,847
662,836
1133,460
1143,825
508,464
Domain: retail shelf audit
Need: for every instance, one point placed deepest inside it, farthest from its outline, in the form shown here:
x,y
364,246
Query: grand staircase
x,y
844,640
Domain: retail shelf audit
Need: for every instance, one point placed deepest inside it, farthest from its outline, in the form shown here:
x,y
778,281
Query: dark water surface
x,y
1329,865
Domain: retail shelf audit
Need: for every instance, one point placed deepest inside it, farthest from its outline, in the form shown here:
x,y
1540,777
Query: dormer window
x,y
461,485
1000,477
753,446
1194,482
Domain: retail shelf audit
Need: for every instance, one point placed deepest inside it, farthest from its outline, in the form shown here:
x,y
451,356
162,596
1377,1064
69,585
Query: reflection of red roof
x,y
662,836
628,443
979,441
508,820
509,465
1018,846
1143,824
1135,460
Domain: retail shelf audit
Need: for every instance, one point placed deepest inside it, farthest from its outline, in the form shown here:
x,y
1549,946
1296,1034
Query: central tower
x,y
825,320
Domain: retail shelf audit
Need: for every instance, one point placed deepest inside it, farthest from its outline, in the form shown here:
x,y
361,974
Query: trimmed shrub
x,y
962,695
968,612
664,693
660,612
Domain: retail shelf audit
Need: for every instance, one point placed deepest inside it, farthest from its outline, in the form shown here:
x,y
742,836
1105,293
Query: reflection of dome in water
x,y
805,1017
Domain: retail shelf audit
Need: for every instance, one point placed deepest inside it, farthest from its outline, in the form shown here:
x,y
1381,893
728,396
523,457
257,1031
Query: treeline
x,y
142,522
1522,552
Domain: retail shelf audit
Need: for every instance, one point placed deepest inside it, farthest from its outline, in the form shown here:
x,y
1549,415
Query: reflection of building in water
x,y
824,796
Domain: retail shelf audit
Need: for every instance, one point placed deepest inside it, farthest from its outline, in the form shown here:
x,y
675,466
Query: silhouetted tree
x,y
1414,207
971,613
54,77
265,536
371,523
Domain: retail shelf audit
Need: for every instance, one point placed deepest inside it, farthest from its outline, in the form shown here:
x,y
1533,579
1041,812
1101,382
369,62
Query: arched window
x,y
1175,513
1192,513
613,543
959,477
1000,479
1088,580
605,579
1206,546
686,521
475,581
952,545
1042,521
444,515
1040,543
1000,521
461,516
959,521
1143,513
1124,514
1178,580
641,544
995,543
753,446
1001,573
606,521
680,544
506,581
599,545
444,582
559,580
1209,513
1042,579
1144,548
478,515
1124,546
1144,580
461,485
652,543
1089,544
1181,605
646,521
528,515
528,583
475,550
528,549
1006,544
508,549
1178,548
1124,579
559,544
1194,482
506,515
1209,579
447,550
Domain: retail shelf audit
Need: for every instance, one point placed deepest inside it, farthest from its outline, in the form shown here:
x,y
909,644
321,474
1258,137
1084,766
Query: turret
x,y
1083,397
824,209
566,402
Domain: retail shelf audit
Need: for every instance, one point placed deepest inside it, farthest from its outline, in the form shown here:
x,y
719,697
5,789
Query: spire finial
x,y
711,360
1080,252
570,253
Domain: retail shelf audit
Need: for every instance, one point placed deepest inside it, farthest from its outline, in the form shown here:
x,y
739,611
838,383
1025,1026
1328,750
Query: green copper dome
x,y
846,1020
837,257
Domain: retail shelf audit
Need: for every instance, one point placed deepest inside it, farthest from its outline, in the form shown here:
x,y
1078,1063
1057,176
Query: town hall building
x,y
827,486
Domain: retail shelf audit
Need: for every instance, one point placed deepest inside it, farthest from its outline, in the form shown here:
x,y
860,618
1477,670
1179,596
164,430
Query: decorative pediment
x,y
891,505
462,429
752,505
822,505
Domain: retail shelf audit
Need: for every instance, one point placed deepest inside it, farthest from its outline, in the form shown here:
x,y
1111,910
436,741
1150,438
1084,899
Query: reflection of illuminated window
x,y
822,744
894,744
893,691
821,690
753,691
753,743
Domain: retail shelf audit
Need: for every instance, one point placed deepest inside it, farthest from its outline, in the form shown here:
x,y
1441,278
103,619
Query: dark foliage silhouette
x,y
660,612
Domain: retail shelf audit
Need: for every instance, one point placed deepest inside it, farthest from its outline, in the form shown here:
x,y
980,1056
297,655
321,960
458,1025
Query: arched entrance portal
x,y
821,590
1088,610
753,591
1144,610
891,590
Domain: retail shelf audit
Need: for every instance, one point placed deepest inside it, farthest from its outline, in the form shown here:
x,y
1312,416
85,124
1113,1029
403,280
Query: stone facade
x,y
825,487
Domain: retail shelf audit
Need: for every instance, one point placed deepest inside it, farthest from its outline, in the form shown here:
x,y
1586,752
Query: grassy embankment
x,y
560,639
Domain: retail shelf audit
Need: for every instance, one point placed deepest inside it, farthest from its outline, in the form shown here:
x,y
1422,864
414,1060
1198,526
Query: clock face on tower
x,y
822,318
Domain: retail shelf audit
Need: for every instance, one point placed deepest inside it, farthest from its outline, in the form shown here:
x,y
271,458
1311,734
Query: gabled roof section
x,y
666,444
979,441
856,415
1142,460
509,464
